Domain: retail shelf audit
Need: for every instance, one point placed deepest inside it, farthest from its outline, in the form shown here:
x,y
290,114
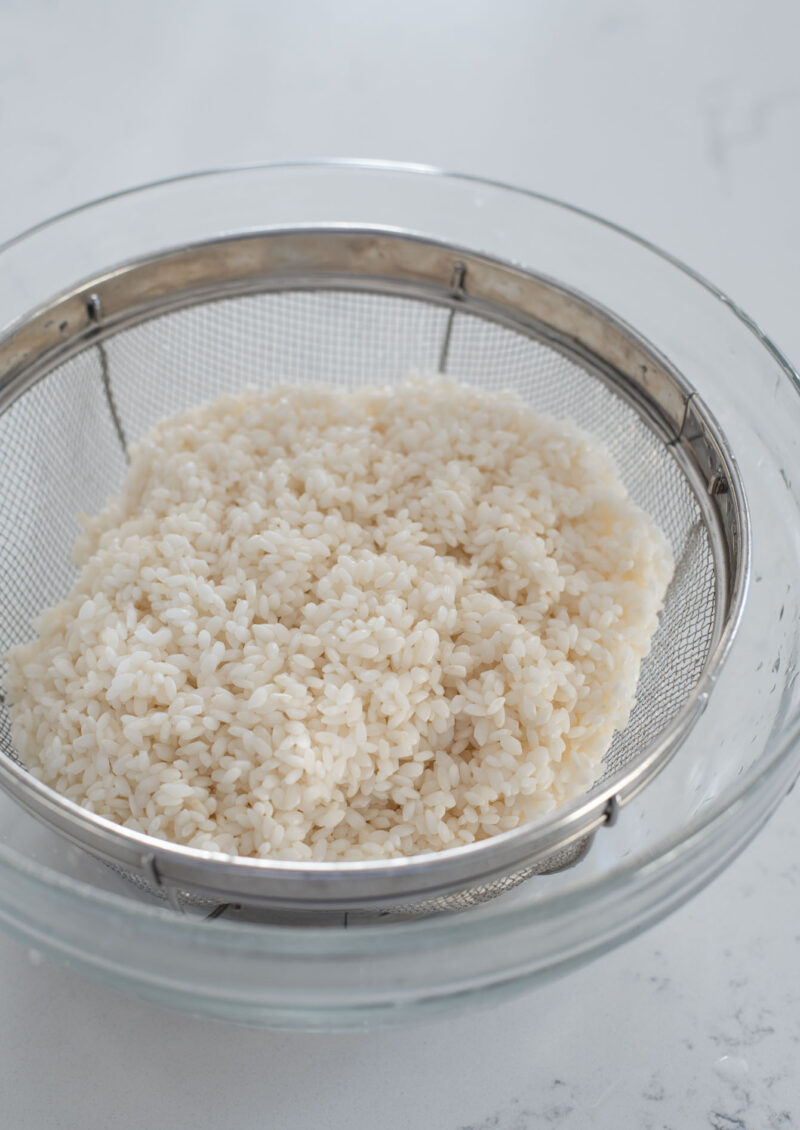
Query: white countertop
x,y
679,121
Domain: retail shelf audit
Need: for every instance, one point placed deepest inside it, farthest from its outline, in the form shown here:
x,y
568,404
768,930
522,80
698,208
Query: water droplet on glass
x,y
35,957
732,1068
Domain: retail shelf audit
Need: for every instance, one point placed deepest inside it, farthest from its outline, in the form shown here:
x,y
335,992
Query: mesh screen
x,y
60,455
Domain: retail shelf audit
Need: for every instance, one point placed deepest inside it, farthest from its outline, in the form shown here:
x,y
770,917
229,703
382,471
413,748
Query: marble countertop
x,y
678,121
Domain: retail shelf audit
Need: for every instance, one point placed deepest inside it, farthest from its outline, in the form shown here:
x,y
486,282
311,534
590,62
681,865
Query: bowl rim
x,y
671,848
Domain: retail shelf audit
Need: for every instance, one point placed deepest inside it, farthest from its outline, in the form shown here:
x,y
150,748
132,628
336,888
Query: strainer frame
x,y
458,279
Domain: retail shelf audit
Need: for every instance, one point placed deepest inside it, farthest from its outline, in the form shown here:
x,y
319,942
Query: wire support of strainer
x,y
459,311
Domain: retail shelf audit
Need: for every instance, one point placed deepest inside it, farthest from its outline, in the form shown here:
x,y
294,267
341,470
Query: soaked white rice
x,y
345,625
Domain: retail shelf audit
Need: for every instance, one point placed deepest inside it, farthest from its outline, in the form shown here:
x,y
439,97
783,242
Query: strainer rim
x,y
580,816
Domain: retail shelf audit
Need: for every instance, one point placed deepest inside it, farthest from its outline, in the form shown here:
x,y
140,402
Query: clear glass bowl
x,y
728,776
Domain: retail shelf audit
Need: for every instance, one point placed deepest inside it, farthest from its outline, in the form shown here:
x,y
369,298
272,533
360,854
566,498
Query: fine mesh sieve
x,y
97,368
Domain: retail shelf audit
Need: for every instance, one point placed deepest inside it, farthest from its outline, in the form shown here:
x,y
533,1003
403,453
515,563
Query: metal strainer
x,y
98,367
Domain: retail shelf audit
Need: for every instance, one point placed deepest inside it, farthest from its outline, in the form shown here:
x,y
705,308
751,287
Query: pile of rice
x,y
328,625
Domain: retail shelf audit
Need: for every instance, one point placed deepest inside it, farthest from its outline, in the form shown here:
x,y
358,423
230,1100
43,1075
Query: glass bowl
x,y
718,790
